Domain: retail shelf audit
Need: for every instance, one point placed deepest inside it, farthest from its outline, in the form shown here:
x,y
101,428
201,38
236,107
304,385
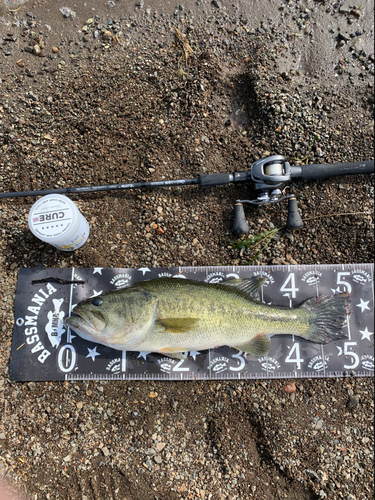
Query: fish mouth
x,y
89,321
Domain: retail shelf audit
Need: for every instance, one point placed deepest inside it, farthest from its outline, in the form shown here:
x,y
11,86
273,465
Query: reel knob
x,y
294,220
240,226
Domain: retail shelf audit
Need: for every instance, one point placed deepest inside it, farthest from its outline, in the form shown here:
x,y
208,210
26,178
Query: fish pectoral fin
x,y
258,346
178,325
251,286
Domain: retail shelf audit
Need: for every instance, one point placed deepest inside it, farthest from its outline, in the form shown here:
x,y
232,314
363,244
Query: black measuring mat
x,y
44,349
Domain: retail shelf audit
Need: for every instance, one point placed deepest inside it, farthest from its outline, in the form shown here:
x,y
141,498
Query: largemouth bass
x,y
171,316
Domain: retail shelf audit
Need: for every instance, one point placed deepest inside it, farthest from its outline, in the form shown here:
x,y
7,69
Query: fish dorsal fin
x,y
178,325
258,346
250,286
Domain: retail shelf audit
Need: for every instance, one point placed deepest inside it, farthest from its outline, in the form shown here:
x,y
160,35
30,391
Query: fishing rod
x,y
269,175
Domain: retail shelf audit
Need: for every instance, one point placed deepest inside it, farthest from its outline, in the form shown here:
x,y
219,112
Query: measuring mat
x,y
44,349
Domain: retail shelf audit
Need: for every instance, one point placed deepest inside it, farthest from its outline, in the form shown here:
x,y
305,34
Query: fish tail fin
x,y
327,317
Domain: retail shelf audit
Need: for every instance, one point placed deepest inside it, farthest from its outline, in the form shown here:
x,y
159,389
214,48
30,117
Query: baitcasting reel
x,y
269,176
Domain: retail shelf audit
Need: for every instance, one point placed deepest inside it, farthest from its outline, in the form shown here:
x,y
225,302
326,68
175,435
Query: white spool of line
x,y
55,219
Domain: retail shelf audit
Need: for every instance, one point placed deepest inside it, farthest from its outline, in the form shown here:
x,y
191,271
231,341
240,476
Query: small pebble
x,y
291,387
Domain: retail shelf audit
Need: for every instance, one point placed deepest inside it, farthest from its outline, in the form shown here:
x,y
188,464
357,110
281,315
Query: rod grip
x,y
317,171
206,180
240,226
294,220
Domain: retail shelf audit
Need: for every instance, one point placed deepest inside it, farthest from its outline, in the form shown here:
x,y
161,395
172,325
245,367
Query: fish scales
x,y
219,309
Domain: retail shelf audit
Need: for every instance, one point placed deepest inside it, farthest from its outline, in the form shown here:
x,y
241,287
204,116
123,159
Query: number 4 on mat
x,y
297,359
291,279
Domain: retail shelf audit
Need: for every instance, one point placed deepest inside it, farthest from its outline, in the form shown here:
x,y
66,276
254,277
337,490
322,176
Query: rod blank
x,y
107,187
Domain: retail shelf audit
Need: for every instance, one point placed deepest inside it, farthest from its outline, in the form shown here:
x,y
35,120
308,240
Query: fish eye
x,y
96,301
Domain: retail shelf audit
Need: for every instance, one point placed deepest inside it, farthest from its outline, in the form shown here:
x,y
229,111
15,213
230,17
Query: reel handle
x,y
240,226
294,220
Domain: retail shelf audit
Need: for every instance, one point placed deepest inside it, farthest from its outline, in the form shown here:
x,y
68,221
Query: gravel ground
x,y
108,95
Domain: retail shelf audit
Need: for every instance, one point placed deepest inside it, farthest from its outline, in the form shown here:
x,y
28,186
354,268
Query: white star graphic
x,y
143,354
363,305
95,293
366,334
144,270
97,270
194,354
92,353
336,290
340,350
